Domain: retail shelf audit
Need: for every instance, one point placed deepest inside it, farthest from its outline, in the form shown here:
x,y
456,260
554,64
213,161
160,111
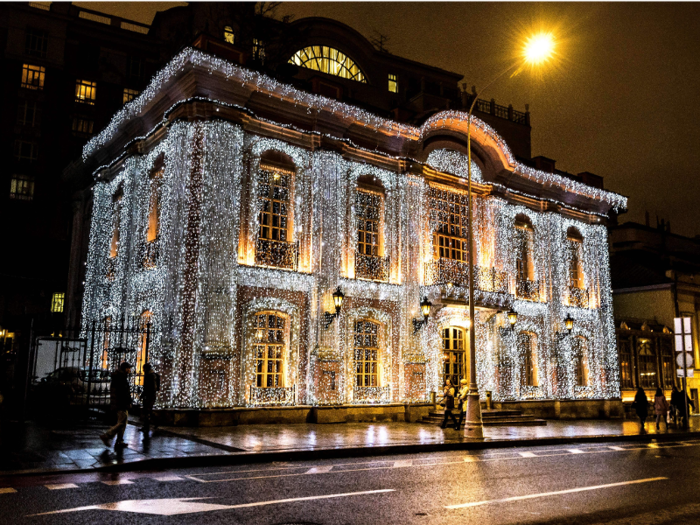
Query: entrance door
x,y
454,356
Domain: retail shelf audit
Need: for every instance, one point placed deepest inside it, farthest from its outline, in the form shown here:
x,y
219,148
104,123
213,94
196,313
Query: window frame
x,y
85,92
322,57
450,239
128,95
367,357
279,346
393,82
229,32
33,77
27,187
34,36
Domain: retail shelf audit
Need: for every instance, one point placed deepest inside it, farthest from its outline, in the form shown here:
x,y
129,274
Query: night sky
x,y
621,100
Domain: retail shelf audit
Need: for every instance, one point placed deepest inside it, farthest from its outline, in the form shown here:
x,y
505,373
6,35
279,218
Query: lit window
x,y
28,113
368,209
229,35
25,150
328,60
269,350
116,223
393,83
129,95
366,354
82,125
450,209
258,50
453,357
580,348
85,91
36,43
134,67
528,352
145,322
274,204
33,76
57,302
22,187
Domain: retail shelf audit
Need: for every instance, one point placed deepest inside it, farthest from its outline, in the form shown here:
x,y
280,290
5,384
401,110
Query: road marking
x,y
403,463
175,506
576,451
556,493
616,448
528,454
7,490
118,482
319,470
61,486
467,459
652,445
169,478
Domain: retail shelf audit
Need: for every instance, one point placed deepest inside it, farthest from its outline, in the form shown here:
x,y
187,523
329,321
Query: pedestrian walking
x,y
681,401
462,401
448,400
120,401
641,406
151,386
660,408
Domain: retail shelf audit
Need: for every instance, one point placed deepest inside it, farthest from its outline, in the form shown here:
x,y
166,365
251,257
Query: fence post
x,y
92,355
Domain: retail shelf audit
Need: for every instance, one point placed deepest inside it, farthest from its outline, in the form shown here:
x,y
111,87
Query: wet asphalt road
x,y
615,483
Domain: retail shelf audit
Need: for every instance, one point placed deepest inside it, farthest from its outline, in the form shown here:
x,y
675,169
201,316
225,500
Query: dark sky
x,y
621,101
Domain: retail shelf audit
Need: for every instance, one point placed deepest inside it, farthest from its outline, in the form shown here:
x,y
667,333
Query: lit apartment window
x,y
57,302
82,126
85,91
33,76
393,83
134,67
129,95
328,60
368,206
270,350
450,237
229,35
36,43
28,113
25,150
258,50
366,354
22,188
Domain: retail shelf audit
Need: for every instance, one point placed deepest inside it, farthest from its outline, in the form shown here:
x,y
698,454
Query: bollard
x,y
488,400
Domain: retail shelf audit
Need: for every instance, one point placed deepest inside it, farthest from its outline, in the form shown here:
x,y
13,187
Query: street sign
x,y
679,372
688,360
683,334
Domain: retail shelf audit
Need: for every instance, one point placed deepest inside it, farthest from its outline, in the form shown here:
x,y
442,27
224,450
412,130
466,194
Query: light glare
x,y
539,48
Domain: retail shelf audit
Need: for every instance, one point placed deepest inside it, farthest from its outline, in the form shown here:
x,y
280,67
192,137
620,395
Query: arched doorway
x,y
454,356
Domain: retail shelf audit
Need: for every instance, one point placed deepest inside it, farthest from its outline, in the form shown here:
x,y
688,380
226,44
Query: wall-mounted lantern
x,y
425,310
512,317
338,298
568,325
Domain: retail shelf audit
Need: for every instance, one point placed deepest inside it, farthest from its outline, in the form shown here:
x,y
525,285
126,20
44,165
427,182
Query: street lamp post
x,y
537,49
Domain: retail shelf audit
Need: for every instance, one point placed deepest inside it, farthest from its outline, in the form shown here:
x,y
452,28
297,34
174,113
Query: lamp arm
x,y
493,81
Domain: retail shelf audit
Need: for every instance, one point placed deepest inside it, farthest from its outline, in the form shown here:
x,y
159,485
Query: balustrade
x,y
278,254
448,271
371,267
273,396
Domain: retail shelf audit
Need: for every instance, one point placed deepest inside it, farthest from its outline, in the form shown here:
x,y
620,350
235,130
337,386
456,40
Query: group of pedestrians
x,y
120,402
456,401
678,408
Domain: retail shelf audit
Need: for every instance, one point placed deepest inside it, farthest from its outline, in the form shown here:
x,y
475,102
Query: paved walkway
x,y
33,448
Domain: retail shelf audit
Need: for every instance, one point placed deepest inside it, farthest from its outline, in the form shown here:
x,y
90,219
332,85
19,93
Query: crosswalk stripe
x,y
403,463
169,478
528,454
616,448
61,486
319,470
470,459
118,482
576,451
7,490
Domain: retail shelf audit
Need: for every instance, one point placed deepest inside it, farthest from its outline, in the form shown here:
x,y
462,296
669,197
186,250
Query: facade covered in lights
x,y
228,207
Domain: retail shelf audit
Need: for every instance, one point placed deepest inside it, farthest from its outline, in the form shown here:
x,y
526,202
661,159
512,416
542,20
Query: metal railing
x,y
448,271
371,394
372,267
505,112
528,290
577,296
272,396
277,254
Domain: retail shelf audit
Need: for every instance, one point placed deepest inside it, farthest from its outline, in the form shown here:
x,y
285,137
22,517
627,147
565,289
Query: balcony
x,y
274,396
448,271
371,394
111,272
277,254
371,267
149,253
577,296
528,290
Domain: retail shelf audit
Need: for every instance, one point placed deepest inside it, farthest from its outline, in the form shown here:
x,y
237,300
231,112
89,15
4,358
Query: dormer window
x,y
329,61
229,35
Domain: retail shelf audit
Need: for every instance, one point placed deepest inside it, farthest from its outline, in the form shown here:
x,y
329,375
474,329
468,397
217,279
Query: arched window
x,y
229,35
270,349
366,353
453,348
527,286
274,246
527,347
578,295
370,262
116,220
153,229
145,334
580,355
647,363
328,60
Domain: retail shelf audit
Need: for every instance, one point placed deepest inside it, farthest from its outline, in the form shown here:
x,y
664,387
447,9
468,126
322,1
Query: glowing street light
x,y
537,50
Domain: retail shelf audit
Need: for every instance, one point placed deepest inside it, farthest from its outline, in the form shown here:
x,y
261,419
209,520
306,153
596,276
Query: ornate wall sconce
x,y
328,317
425,310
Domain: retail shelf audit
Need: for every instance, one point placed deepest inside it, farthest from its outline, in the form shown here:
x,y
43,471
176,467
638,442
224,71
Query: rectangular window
x,y
270,350
450,211
57,302
366,354
258,50
368,209
22,188
33,77
134,67
393,83
274,202
129,95
82,126
25,150
36,43
28,113
229,35
85,91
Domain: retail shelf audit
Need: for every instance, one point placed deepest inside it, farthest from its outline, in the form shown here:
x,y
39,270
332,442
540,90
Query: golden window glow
x,y
368,209
366,353
328,60
104,364
85,91
647,364
229,35
144,336
453,355
575,271
33,77
274,204
580,347
528,351
116,220
270,350
129,95
450,237
258,50
524,237
57,302
154,207
22,187
393,83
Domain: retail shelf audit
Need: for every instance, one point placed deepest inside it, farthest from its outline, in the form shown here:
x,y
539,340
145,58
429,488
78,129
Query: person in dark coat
x,y
151,385
681,402
120,402
641,406
448,399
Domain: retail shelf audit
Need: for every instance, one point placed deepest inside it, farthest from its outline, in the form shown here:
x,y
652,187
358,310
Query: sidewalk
x,y
33,448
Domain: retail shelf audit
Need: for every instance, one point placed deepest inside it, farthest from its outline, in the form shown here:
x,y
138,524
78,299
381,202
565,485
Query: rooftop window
x,y
328,60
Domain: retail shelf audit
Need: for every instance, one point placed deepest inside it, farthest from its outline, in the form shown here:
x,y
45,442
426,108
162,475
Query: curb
x,y
243,458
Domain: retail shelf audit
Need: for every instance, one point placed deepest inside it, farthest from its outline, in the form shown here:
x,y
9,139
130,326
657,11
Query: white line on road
x,y
575,451
616,448
556,493
7,490
169,478
61,486
528,454
118,482
403,463
319,470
